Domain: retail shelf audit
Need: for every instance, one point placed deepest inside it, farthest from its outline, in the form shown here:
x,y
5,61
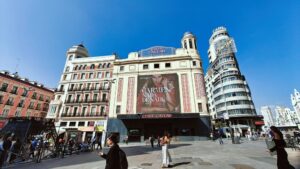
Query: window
x,y
72,86
82,75
91,75
81,123
18,113
28,114
102,110
5,112
88,86
75,76
103,97
38,106
80,67
107,74
95,97
34,95
194,63
108,65
10,101
185,45
75,111
70,57
78,98
72,123
41,97
99,66
168,65
65,77
92,66
21,104
83,111
118,109
14,90
66,110
31,105
200,107
76,67
97,86
191,43
145,66
1,98
99,75
121,68
67,69
4,87
86,97
63,123
93,111
80,86
156,65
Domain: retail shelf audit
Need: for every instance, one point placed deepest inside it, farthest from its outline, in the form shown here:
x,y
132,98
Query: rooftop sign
x,y
157,51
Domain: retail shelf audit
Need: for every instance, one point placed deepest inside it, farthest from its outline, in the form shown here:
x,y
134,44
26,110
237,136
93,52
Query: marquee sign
x,y
157,51
156,116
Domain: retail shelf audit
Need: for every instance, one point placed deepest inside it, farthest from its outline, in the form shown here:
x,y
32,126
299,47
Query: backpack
x,y
123,160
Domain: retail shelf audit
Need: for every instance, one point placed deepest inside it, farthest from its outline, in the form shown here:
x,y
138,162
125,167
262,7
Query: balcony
x,y
83,115
87,101
59,90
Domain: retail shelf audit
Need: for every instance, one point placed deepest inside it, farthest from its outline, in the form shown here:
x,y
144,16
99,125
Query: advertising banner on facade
x,y
158,93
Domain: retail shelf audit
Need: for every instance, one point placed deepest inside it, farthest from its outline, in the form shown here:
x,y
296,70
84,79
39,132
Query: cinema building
x,y
160,89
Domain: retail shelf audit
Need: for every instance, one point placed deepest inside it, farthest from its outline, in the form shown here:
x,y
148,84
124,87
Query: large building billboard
x,y
158,93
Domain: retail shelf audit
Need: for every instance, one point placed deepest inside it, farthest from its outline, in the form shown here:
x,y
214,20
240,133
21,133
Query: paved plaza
x,y
185,155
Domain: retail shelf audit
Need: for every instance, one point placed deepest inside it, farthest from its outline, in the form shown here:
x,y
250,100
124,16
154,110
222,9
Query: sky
x,y
35,35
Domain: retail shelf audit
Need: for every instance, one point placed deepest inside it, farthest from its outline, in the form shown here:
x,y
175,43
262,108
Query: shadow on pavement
x,y
178,164
90,157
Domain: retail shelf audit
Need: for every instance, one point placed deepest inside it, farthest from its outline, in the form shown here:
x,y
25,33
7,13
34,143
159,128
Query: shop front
x,y
180,126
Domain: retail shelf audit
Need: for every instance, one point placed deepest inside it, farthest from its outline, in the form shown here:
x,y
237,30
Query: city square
x,y
162,84
185,155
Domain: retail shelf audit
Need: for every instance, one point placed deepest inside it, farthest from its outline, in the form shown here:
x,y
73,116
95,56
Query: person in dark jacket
x,y
282,156
15,150
7,141
113,160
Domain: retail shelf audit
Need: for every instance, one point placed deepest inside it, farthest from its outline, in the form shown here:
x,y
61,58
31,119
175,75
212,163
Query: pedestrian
x,y
158,141
151,139
71,145
15,150
166,157
93,142
220,137
7,141
115,158
33,145
99,143
282,156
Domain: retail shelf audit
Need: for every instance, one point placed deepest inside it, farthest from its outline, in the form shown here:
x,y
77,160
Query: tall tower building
x,y
81,102
295,98
229,96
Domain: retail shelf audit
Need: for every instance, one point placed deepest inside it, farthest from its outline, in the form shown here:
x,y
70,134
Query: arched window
x,y
80,67
104,65
108,65
100,66
75,68
92,66
84,67
191,43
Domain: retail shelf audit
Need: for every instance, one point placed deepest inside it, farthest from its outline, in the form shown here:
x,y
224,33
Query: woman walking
x,y
282,156
166,158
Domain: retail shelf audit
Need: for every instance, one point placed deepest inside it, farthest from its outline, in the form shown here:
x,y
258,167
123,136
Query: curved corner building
x,y
227,89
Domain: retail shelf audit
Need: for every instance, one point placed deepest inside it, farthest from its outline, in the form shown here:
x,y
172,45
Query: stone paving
x,y
185,155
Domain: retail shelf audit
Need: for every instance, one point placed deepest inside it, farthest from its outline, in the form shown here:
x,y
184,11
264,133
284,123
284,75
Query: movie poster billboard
x,y
158,93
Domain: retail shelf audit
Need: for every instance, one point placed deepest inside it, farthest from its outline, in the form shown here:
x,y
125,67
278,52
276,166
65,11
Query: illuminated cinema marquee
x,y
157,51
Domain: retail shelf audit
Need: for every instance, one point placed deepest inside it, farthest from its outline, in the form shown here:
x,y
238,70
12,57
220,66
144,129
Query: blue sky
x,y
35,35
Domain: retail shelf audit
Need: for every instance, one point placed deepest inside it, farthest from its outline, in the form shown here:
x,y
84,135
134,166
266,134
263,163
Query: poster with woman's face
x,y
158,93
